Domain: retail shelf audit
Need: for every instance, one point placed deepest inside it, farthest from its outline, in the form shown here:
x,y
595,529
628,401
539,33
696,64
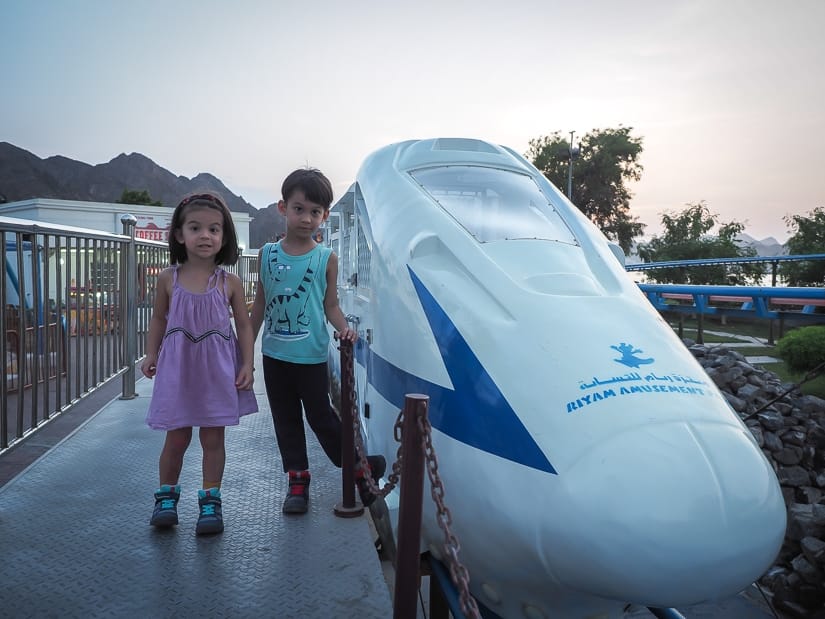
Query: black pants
x,y
289,386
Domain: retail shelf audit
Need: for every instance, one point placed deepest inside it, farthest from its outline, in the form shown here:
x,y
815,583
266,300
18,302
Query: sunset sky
x,y
726,96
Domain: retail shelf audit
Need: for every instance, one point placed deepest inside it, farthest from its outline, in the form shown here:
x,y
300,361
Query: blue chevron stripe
x,y
475,411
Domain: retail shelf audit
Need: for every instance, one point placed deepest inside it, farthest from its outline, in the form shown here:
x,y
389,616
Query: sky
x,y
728,97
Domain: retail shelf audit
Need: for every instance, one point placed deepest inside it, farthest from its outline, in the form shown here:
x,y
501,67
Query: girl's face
x,y
201,232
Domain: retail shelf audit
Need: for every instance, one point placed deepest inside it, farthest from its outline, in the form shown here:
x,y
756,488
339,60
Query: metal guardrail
x,y
749,301
74,315
804,304
669,264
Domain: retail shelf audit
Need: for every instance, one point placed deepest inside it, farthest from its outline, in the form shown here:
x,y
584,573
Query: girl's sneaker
x,y
297,498
166,506
210,519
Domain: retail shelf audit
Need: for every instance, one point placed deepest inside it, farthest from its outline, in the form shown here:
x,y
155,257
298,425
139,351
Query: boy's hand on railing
x,y
347,335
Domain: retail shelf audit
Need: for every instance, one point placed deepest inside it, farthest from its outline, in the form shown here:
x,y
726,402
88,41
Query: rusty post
x,y
128,316
407,567
347,508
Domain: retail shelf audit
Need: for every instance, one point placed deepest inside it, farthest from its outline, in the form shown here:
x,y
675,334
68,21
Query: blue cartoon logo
x,y
629,357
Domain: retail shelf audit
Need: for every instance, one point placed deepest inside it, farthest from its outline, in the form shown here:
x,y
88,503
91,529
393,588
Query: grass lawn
x,y
759,328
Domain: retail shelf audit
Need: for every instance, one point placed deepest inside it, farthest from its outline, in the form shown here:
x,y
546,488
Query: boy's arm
x,y
331,307
243,328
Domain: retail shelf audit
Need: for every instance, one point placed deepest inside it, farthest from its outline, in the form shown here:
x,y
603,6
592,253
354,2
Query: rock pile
x,y
790,429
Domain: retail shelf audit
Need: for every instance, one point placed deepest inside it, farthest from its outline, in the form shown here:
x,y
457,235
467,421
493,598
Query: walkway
x,y
75,538
744,342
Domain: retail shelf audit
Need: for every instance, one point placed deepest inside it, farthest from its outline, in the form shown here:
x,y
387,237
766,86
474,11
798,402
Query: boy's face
x,y
302,216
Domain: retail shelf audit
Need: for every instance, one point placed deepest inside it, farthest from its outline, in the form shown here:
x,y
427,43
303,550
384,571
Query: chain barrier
x,y
459,574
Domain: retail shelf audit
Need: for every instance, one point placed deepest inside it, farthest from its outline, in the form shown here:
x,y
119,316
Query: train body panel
x,y
589,462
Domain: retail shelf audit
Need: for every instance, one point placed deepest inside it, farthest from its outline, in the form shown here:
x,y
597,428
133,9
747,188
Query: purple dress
x,y
198,362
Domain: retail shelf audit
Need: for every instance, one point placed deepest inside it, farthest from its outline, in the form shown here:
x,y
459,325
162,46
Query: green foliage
x,y
688,236
803,349
808,237
607,161
137,197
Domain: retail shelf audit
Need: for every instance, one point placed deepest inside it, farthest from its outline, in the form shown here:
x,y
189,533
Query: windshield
x,y
494,204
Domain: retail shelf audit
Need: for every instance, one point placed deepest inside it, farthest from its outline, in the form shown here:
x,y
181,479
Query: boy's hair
x,y
228,254
312,182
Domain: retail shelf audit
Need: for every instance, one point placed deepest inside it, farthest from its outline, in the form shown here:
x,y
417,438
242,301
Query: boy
x,y
297,293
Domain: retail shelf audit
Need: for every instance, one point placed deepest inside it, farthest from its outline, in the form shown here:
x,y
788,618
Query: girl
x,y
204,372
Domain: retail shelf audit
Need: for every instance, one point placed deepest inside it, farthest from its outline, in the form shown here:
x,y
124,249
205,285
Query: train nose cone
x,y
671,514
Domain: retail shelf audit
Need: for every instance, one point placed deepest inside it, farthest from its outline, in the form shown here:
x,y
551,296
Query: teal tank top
x,y
294,327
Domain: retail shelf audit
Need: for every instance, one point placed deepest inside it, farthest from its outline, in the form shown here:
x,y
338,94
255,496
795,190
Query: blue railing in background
x,y
748,301
807,304
647,266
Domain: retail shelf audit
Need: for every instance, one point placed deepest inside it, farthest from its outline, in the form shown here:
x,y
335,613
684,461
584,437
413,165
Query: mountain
x,y
768,246
24,175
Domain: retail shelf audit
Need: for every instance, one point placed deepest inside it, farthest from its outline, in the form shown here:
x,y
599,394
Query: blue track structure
x,y
774,260
748,301
801,304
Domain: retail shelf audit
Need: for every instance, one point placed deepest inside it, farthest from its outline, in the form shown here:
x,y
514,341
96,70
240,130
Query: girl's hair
x,y
228,253
312,182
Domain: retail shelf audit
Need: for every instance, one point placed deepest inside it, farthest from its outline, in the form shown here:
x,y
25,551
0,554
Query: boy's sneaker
x,y
377,466
297,498
210,519
166,506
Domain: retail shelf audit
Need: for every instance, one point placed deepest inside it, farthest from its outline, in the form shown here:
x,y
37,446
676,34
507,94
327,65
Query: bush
x,y
803,349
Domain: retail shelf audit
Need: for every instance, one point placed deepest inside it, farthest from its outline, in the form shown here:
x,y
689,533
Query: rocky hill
x,y
24,175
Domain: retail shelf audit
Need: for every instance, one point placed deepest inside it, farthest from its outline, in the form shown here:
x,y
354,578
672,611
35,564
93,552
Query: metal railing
x,y
805,304
75,310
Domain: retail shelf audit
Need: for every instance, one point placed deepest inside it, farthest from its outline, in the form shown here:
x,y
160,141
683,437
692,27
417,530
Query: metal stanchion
x,y
347,508
128,315
409,509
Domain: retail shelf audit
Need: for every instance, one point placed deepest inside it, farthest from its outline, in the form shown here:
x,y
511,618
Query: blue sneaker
x,y
210,519
166,506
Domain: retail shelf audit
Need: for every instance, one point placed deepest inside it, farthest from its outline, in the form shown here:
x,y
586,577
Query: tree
x,y
132,196
607,160
808,237
688,236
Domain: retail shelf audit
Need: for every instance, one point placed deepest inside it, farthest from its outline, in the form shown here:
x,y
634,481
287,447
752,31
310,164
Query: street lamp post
x,y
573,152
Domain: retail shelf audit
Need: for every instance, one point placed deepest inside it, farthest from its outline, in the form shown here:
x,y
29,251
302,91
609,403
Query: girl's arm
x,y
243,327
257,314
157,324
331,308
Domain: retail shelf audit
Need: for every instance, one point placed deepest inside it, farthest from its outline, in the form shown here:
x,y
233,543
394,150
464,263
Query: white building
x,y
153,221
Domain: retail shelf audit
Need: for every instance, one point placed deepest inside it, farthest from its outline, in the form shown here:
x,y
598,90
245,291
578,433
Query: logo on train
x,y
600,388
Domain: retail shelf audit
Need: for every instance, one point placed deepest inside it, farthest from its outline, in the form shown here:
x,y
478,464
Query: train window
x,y
363,252
494,204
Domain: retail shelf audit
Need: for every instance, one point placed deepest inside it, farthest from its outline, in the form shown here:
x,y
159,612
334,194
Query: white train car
x,y
589,463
